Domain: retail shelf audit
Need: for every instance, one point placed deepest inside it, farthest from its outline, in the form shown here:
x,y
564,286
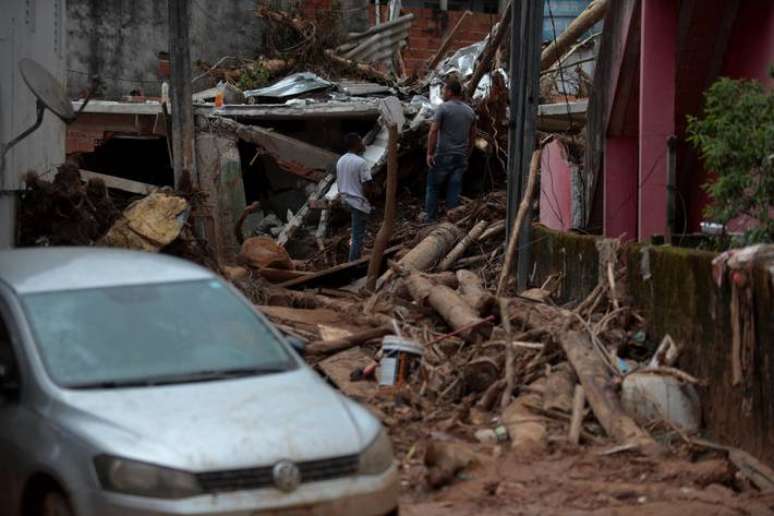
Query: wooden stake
x,y
519,222
505,316
390,207
576,423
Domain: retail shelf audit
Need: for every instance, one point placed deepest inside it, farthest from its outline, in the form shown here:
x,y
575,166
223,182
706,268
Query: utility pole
x,y
526,35
181,94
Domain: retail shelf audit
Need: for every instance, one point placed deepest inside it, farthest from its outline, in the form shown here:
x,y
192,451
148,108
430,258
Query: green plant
x,y
253,76
735,138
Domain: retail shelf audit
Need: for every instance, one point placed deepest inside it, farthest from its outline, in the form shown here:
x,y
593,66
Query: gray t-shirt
x,y
454,118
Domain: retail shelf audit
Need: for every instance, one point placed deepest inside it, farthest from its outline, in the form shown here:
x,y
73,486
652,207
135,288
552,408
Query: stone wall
x,y
674,290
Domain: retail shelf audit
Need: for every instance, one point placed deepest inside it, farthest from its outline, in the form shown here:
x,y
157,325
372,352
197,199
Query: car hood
x,y
217,425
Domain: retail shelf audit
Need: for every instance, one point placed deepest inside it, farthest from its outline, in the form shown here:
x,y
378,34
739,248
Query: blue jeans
x,y
448,169
359,221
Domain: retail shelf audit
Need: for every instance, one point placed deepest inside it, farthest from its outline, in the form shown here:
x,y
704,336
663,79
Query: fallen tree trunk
x,y
462,246
367,71
487,55
510,254
473,292
427,252
390,207
596,380
449,305
442,278
329,347
553,52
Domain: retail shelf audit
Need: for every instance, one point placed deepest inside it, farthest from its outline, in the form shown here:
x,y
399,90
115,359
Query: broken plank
x,y
338,275
119,183
298,219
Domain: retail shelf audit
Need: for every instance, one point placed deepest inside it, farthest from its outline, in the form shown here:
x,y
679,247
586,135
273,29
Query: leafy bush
x,y
735,138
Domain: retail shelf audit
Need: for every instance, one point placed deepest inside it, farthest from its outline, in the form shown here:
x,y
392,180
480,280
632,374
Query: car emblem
x,y
287,476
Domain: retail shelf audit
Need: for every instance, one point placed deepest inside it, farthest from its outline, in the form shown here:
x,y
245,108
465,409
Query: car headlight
x,y
377,457
141,479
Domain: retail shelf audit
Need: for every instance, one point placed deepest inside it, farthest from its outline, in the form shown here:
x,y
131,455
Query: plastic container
x,y
220,94
399,359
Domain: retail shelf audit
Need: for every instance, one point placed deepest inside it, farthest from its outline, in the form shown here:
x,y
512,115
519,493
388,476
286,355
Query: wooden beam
x,y
338,275
119,183
181,92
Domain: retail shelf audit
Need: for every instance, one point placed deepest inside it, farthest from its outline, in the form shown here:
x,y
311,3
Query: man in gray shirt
x,y
448,146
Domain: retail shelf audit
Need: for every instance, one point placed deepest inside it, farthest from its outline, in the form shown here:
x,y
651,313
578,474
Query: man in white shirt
x,y
352,173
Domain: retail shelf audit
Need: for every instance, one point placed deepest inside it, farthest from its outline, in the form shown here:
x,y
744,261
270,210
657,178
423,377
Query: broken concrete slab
x,y
292,155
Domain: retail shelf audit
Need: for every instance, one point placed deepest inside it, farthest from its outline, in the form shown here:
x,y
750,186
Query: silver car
x,y
139,384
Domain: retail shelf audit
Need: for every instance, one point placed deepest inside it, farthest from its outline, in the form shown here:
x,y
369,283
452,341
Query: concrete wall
x,y
679,297
120,40
33,29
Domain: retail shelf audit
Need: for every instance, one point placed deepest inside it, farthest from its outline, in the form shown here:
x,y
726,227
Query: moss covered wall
x,y
681,299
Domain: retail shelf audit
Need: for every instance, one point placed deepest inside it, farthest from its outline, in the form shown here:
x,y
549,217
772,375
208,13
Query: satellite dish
x,y
47,89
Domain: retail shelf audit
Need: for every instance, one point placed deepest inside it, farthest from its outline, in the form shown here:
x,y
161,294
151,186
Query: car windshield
x,y
151,334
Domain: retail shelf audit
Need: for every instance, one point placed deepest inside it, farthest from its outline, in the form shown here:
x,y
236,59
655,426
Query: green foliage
x,y
253,76
735,138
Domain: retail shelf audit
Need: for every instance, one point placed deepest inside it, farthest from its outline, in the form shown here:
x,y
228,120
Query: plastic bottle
x,y
219,95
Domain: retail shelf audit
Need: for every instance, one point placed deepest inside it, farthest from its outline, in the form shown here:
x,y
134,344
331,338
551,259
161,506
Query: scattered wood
x,y
596,381
462,246
329,347
274,275
442,278
554,51
322,229
337,275
298,219
521,215
427,253
365,70
390,208
754,470
560,385
473,292
449,305
119,183
576,424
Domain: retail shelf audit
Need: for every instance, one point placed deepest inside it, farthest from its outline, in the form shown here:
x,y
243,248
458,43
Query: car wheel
x,y
54,503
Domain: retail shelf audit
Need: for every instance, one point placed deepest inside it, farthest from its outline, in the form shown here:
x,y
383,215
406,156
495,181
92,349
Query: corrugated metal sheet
x,y
379,43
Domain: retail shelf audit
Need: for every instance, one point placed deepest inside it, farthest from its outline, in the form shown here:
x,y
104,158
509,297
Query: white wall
x,y
33,29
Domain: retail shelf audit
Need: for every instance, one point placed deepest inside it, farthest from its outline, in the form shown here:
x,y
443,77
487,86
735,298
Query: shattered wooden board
x,y
340,366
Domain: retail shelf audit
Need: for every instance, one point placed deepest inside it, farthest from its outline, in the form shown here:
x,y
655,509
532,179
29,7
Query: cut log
x,y
576,423
390,207
585,20
329,347
450,38
597,383
484,63
449,305
462,246
442,278
473,292
298,219
495,229
368,72
510,254
427,253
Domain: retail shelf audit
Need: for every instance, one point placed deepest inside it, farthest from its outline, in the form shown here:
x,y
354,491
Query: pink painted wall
x,y
657,110
620,184
751,48
555,187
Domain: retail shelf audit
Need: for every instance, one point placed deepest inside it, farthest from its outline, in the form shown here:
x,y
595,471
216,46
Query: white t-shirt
x,y
351,172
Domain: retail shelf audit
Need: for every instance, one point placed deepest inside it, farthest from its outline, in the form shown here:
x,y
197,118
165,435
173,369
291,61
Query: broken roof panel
x,y
291,86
